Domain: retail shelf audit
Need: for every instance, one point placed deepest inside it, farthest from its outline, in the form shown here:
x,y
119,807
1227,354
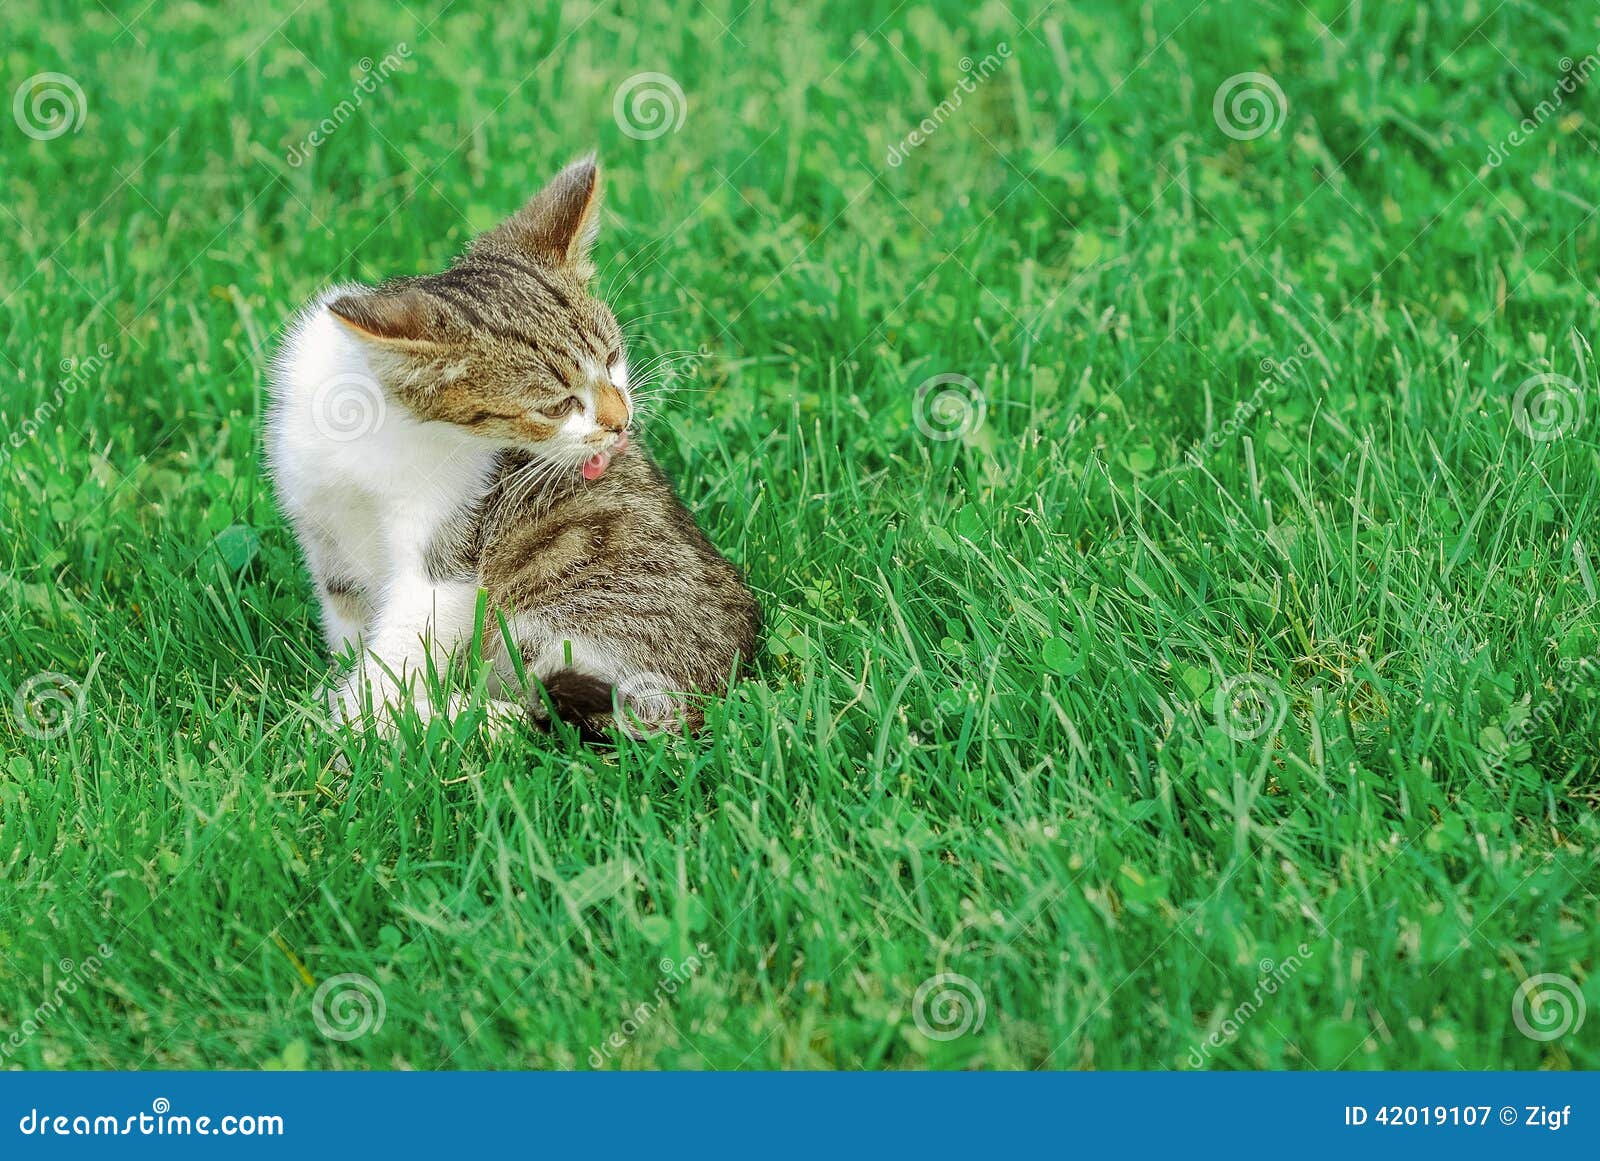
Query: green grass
x,y
984,736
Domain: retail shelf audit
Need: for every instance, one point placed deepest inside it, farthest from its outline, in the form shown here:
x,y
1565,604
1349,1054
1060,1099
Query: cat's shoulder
x,y
314,346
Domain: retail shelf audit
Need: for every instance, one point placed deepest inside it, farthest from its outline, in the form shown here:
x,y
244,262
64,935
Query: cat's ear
x,y
406,317
561,222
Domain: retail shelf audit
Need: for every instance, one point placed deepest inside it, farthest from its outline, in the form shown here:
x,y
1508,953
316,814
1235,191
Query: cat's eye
x,y
566,407
613,358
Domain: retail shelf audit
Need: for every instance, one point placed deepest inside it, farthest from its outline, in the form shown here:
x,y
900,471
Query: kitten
x,y
473,429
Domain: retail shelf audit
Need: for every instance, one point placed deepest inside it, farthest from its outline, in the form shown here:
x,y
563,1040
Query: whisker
x,y
533,479
638,320
541,487
612,272
646,257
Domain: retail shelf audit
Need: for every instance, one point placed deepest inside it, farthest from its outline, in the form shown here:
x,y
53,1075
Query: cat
x,y
474,429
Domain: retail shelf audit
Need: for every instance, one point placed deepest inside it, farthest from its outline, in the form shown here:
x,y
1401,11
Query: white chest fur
x,y
369,488
334,434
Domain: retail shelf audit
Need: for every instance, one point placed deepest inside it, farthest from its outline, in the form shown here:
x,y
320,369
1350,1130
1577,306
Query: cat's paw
x,y
368,703
363,702
499,717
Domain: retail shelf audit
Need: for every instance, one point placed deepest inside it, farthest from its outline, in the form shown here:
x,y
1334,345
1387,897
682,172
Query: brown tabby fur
x,y
494,344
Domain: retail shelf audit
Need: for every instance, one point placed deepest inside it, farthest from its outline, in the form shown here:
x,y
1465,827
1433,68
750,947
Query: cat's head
x,y
509,343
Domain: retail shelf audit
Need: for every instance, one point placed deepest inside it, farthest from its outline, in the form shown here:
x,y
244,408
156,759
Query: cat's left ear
x,y
404,319
561,222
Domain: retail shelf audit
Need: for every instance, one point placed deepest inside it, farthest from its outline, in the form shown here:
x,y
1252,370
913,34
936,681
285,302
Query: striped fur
x,y
501,378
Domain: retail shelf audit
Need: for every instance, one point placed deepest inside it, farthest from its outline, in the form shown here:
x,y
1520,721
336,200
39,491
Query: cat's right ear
x,y
404,318
560,223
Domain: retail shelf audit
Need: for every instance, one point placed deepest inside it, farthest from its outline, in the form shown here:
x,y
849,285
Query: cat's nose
x,y
610,408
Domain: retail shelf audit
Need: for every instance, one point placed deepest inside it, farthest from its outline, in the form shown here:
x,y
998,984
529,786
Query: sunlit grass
x,y
1172,662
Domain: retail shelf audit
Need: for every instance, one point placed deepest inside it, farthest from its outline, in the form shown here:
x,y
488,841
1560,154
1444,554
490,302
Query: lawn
x,y
1163,436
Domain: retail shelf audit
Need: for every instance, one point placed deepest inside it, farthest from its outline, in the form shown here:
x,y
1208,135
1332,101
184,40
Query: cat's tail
x,y
638,706
579,699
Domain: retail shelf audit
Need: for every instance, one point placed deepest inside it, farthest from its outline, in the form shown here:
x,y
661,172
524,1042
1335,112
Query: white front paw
x,y
368,699
364,700
498,716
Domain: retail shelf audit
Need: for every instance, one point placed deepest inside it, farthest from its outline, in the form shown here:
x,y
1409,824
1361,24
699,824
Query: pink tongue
x,y
594,467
